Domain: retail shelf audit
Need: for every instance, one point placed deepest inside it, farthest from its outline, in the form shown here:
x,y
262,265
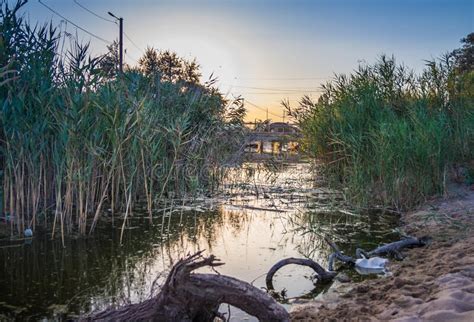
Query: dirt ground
x,y
434,283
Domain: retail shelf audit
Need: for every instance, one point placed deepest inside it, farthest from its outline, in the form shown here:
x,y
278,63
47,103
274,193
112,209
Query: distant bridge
x,y
273,138
277,131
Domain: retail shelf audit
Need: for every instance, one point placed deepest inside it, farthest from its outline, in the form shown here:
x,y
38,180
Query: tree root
x,y
186,296
322,274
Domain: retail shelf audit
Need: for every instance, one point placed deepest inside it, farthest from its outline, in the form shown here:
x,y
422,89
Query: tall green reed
x,y
76,142
388,136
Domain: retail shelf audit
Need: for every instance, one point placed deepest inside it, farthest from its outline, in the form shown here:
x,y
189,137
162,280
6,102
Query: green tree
x,y
149,63
109,62
464,56
169,66
191,73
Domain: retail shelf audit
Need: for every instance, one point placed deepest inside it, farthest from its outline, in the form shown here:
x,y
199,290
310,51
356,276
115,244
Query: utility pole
x,y
120,41
267,113
283,116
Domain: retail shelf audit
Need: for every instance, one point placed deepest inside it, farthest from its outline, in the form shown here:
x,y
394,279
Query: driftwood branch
x,y
337,254
186,296
322,274
391,249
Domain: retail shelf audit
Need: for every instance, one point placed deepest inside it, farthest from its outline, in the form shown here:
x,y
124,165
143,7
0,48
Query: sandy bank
x,y
434,283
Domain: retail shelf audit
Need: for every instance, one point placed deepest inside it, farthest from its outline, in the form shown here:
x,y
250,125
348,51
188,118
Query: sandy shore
x,y
433,283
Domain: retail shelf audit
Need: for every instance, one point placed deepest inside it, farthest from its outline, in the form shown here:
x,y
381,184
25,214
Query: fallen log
x,y
393,249
321,273
187,296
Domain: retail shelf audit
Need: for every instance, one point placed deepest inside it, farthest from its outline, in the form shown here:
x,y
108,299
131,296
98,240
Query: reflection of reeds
x,y
89,274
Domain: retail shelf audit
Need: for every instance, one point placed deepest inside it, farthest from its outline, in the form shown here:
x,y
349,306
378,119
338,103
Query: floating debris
x,y
373,265
28,233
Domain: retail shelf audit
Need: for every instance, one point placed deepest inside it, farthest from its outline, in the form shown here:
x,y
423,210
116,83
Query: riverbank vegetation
x,y
79,138
389,136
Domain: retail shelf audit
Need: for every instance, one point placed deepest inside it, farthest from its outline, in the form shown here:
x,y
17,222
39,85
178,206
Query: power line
x,y
275,89
274,93
72,23
261,108
109,20
129,56
264,110
283,78
133,43
92,12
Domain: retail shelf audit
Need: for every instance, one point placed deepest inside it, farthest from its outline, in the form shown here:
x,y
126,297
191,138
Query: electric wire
x,y
130,57
75,25
283,78
92,12
261,108
133,43
109,20
276,89
273,93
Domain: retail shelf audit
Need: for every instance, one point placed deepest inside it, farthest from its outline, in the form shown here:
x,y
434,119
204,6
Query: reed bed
x,y
388,137
77,144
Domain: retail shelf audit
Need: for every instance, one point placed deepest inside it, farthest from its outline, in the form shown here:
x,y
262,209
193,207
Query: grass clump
x,y
389,136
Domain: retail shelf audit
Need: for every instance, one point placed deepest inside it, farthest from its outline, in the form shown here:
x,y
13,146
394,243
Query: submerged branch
x,y
322,274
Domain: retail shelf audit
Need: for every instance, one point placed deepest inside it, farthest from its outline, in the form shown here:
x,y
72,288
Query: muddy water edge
x,y
263,214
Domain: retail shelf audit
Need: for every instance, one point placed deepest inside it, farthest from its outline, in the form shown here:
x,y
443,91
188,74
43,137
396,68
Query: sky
x,y
270,50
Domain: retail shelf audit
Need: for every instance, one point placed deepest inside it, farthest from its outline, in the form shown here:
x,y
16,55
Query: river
x,y
263,215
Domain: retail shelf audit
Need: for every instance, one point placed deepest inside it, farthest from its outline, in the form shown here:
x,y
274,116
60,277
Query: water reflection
x,y
262,221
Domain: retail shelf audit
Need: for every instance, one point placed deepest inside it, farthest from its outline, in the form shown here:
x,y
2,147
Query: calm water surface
x,y
266,216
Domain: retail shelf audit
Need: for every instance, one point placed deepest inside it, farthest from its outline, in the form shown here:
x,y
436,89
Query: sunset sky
x,y
267,51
